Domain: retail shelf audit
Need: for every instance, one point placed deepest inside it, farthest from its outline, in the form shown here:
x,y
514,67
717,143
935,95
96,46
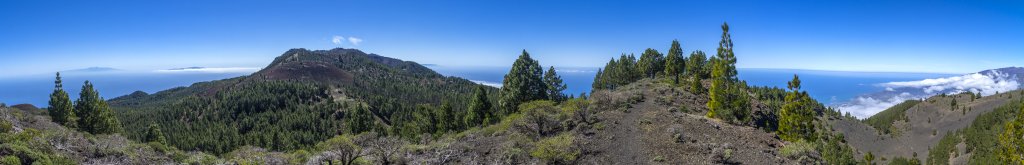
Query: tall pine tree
x,y
523,83
728,99
796,119
674,62
61,110
726,56
94,115
479,110
555,85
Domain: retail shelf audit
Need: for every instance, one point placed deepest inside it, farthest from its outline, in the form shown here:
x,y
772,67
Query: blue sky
x,y
908,36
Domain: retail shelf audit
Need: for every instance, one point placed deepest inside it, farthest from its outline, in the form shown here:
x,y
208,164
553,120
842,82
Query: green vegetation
x,y
94,116
559,149
618,73
61,110
1011,141
981,137
675,64
728,100
480,110
522,84
882,121
155,135
651,63
796,119
301,98
696,65
904,161
554,85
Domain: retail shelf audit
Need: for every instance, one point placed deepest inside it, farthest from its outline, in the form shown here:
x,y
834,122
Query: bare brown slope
x,y
926,124
646,131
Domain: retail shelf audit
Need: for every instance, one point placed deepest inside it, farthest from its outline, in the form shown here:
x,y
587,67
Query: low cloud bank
x,y
487,83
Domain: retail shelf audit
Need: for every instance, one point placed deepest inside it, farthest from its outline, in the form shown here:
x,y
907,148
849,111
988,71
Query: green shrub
x,y
904,161
6,126
797,149
557,150
10,160
659,159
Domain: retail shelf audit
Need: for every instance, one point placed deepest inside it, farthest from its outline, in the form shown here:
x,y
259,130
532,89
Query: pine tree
x,y
797,115
446,118
696,86
695,65
651,62
359,120
726,56
479,110
94,115
1011,141
728,99
598,81
61,111
153,134
426,120
555,85
523,83
674,62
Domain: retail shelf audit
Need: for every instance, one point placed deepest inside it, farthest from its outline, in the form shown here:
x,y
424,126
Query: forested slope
x,y
301,98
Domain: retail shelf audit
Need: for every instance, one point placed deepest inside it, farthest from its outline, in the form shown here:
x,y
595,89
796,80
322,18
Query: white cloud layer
x,y
985,84
863,107
487,83
210,70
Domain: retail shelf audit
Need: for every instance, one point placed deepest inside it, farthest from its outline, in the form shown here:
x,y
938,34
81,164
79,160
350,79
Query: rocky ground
x,y
655,130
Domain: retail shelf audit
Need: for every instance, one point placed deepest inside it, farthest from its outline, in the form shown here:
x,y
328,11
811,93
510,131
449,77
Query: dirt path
x,y
621,138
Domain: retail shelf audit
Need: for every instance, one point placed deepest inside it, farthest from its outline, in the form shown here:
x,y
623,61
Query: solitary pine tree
x,y
155,135
61,111
796,119
523,83
94,115
651,62
479,110
1011,142
728,100
555,85
674,62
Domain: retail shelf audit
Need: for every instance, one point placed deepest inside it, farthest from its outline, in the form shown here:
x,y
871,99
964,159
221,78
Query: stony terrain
x,y
653,130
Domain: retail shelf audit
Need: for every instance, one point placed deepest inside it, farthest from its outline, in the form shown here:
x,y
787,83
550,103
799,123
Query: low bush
x,y
559,149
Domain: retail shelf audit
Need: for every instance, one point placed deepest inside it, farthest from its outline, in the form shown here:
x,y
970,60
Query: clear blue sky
x,y
908,36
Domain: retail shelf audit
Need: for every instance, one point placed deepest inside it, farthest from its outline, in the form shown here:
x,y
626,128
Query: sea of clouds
x,y
985,83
